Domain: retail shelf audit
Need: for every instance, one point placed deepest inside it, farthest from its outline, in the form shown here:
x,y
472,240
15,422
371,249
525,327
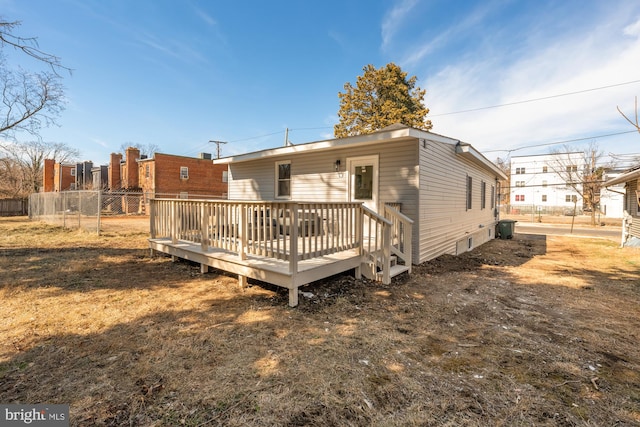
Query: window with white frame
x,y
545,169
520,171
483,194
544,183
225,176
283,179
184,172
544,197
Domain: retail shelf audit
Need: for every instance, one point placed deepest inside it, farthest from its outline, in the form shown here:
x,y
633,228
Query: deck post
x,y
204,226
204,268
242,281
293,239
174,220
386,254
152,218
293,296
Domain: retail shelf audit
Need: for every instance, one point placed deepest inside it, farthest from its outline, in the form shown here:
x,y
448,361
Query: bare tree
x,y
145,149
635,124
21,164
505,185
581,172
30,100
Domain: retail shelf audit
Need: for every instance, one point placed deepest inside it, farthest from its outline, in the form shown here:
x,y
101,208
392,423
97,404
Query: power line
x,y
535,99
562,142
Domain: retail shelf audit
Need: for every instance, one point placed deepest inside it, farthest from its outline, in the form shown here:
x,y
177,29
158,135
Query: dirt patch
x,y
529,331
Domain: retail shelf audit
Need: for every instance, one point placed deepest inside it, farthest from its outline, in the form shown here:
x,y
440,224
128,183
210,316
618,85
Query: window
x,y
519,183
545,169
570,198
184,172
544,197
225,176
519,171
469,192
519,197
73,172
572,168
146,171
483,194
283,179
544,183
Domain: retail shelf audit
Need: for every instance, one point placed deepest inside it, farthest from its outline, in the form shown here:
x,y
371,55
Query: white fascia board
x,y
359,140
467,151
629,176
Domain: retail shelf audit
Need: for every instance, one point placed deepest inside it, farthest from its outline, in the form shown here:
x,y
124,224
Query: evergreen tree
x,y
381,97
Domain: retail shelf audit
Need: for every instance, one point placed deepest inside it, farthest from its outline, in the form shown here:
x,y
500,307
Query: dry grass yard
x,y
530,331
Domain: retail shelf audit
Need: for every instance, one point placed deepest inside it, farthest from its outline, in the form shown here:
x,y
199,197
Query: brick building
x,y
166,175
163,175
64,177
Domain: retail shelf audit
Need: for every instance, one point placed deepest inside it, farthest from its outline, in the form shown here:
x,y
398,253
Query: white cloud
x,y
633,29
394,19
553,64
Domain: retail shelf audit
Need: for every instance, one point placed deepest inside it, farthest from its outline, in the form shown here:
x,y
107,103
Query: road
x,y
609,232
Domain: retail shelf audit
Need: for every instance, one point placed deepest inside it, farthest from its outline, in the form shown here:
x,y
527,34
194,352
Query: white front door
x,y
363,181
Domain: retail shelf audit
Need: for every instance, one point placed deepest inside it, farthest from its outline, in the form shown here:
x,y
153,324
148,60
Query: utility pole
x,y
218,146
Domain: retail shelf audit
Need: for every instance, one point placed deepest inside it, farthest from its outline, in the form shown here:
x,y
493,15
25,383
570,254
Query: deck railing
x,y
288,231
271,229
401,230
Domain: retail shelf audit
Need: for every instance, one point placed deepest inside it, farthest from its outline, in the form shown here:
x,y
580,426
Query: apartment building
x,y
544,182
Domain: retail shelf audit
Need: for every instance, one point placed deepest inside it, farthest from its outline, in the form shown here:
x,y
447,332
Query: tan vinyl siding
x,y
313,175
252,180
444,220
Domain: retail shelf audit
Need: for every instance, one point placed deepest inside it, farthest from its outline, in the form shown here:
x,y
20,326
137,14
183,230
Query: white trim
x,y
184,175
374,161
277,180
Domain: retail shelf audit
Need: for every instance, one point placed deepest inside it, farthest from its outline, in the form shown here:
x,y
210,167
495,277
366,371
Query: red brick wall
x,y
205,178
115,182
62,177
130,170
48,175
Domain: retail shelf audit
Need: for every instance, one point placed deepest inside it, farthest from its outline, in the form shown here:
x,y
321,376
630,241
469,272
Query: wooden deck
x,y
283,243
263,268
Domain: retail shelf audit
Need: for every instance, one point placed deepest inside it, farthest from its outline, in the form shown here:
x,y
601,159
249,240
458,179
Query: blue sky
x,y
180,73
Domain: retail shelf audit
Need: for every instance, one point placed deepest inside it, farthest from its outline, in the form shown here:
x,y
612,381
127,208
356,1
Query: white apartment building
x,y
539,182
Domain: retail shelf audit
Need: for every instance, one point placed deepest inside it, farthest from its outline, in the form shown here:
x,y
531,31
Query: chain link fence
x,y
84,209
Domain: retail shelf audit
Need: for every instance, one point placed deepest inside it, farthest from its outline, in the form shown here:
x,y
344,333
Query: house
x,y
631,221
539,182
374,203
444,185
